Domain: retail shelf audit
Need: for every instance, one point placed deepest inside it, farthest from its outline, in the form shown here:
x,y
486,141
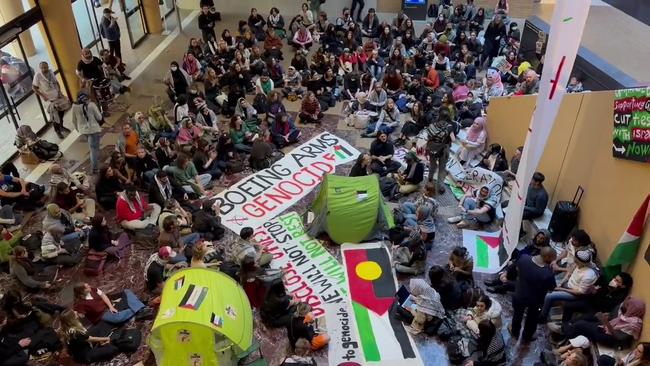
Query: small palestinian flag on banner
x,y
193,298
486,249
216,320
178,284
341,152
372,289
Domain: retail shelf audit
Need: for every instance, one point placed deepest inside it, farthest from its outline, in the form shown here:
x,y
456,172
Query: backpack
x,y
45,150
234,166
146,238
127,340
436,139
458,349
446,329
94,264
32,242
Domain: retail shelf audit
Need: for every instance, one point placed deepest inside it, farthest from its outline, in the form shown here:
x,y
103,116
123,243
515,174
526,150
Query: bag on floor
x,y
234,166
146,238
94,264
457,349
447,329
127,340
45,150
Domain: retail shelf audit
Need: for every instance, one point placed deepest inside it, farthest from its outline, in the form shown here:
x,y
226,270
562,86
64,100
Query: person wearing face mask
x,y
87,120
177,81
604,300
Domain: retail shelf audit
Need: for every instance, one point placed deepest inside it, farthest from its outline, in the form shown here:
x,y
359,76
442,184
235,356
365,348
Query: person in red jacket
x,y
133,212
96,306
431,79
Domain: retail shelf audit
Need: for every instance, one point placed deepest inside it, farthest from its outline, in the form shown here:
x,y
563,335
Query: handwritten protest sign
x,y
344,347
267,193
631,137
312,274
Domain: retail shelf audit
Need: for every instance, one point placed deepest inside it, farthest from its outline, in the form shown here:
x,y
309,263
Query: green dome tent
x,y
204,319
350,209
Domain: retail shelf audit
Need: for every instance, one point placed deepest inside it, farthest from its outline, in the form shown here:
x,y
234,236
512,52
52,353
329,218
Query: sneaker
x,y
146,313
455,219
463,225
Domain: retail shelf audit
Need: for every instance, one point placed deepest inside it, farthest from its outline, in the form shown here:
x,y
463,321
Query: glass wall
x,y
134,21
87,24
19,105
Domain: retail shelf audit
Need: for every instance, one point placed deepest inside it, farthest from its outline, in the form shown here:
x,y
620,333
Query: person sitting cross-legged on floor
x,y
83,347
425,311
409,180
133,212
170,235
411,255
302,326
96,306
381,152
478,209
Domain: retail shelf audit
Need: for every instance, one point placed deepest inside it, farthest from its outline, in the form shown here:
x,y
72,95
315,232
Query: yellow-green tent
x,y
204,319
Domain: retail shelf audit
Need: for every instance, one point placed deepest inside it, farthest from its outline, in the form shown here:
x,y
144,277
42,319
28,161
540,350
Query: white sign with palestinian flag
x,y
371,290
264,195
485,249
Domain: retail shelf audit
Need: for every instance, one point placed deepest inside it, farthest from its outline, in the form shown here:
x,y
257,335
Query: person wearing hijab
x,y
492,87
620,332
177,81
87,120
278,306
474,143
427,306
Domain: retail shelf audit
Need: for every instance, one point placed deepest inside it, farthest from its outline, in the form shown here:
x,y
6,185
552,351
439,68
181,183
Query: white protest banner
x,y
267,193
344,347
567,25
471,179
312,274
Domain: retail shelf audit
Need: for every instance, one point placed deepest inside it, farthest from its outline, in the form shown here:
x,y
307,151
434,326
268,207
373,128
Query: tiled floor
x,y
128,273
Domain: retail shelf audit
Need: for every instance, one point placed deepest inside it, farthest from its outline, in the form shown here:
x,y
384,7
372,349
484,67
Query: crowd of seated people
x,y
441,80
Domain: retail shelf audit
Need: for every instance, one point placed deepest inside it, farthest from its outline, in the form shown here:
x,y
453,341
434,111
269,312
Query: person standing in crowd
x,y
48,88
207,21
440,135
87,120
111,31
535,279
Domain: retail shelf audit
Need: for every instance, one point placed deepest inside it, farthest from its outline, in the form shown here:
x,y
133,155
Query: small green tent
x,y
204,319
350,209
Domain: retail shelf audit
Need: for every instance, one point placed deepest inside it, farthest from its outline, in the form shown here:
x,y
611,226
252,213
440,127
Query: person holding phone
x,y
110,30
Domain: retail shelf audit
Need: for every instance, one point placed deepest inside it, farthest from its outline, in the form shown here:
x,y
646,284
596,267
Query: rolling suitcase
x,y
565,217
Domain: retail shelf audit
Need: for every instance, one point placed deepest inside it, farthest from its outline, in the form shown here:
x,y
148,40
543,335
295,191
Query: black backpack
x,y
127,340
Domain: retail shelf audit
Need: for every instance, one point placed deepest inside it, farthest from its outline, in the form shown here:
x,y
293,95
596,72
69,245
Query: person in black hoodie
x,y
162,188
206,221
99,237
278,306
145,165
207,21
604,300
449,290
13,351
107,188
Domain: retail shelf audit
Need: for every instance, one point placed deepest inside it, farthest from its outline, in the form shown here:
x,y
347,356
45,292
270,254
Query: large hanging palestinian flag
x,y
372,289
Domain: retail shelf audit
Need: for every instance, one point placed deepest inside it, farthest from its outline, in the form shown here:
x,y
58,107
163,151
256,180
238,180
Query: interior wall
x,y
508,121
579,149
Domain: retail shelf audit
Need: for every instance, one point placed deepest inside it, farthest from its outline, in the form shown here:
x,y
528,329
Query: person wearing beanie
x,y
581,282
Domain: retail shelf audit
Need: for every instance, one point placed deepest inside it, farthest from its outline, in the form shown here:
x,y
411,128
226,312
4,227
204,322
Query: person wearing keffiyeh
x,y
133,212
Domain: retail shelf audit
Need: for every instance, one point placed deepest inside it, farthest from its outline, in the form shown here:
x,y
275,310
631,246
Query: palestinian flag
x,y
628,245
179,283
341,152
372,289
487,249
216,320
193,298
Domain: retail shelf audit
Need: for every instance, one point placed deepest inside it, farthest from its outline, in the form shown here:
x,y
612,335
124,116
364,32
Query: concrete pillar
x,y
64,44
9,10
152,16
